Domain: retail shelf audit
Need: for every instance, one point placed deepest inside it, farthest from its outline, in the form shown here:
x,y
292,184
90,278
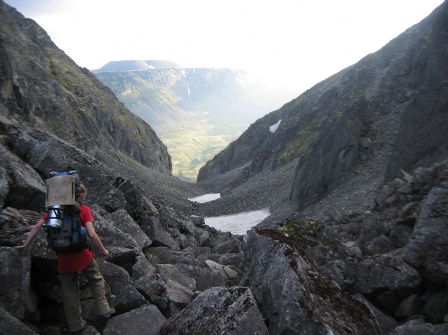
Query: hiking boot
x,y
107,315
79,331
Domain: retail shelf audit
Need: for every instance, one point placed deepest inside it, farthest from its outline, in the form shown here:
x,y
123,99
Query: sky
x,y
297,43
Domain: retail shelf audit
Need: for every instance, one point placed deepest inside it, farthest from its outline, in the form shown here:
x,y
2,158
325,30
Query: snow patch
x,y
274,127
238,224
206,197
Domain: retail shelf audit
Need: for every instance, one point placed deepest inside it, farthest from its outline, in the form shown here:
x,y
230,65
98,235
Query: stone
x,y
221,310
144,320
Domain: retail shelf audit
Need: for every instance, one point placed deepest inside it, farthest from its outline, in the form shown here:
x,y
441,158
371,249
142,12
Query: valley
x,y
194,143
195,112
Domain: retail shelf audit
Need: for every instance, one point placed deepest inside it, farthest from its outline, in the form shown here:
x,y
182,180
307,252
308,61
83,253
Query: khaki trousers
x,y
71,299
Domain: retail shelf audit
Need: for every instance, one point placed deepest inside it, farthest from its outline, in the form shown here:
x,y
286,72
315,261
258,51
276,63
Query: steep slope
x,y
42,88
369,121
196,112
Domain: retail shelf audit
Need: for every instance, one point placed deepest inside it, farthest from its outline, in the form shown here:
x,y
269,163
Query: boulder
x,y
11,325
123,221
159,236
153,288
231,311
374,276
178,295
16,274
172,272
409,307
426,250
117,277
25,187
112,236
226,272
295,296
414,327
205,277
128,300
142,267
144,320
165,255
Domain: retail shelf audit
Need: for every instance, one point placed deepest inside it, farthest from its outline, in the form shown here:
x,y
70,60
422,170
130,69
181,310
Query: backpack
x,y
63,225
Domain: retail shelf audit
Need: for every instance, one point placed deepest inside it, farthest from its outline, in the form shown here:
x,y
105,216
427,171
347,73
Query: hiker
x,y
70,264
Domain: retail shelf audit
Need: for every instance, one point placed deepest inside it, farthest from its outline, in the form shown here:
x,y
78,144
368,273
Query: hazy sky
x,y
299,42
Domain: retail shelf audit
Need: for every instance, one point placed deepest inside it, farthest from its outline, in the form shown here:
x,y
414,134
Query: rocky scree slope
x,y
368,121
376,272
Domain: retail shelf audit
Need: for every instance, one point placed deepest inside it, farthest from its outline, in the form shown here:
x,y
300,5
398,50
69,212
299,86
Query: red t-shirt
x,y
76,261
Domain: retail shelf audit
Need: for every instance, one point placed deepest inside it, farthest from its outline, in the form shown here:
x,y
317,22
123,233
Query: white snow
x,y
188,87
206,197
274,127
238,224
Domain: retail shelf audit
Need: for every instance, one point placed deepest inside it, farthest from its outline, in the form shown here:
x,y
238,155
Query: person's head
x,y
81,193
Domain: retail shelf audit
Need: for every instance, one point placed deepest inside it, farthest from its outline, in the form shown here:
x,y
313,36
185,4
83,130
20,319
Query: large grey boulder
x,y
205,277
144,320
117,277
23,188
11,325
231,311
427,249
16,274
142,267
123,221
420,327
172,272
159,236
373,276
295,296
128,300
153,288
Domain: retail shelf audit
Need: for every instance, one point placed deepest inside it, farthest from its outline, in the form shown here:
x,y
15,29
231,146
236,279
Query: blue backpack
x,y
63,225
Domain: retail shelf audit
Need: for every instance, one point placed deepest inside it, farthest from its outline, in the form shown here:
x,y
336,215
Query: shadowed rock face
x,y
42,89
383,114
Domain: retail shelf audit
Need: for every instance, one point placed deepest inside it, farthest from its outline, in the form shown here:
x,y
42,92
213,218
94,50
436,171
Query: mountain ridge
x,y
361,119
136,65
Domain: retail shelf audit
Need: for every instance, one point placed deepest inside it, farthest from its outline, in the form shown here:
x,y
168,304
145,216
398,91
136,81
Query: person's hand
x,y
23,247
106,253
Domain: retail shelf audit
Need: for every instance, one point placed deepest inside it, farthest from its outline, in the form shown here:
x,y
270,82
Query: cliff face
x,y
383,114
43,89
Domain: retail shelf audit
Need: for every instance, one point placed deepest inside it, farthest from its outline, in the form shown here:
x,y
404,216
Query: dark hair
x,y
82,190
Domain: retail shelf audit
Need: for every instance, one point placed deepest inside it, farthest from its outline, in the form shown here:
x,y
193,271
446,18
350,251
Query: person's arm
x,y
95,238
31,235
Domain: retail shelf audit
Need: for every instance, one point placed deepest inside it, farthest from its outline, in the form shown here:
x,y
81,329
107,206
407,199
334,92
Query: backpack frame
x,y
64,231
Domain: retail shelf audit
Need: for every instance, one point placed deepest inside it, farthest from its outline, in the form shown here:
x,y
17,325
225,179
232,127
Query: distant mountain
x,y
196,112
137,65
